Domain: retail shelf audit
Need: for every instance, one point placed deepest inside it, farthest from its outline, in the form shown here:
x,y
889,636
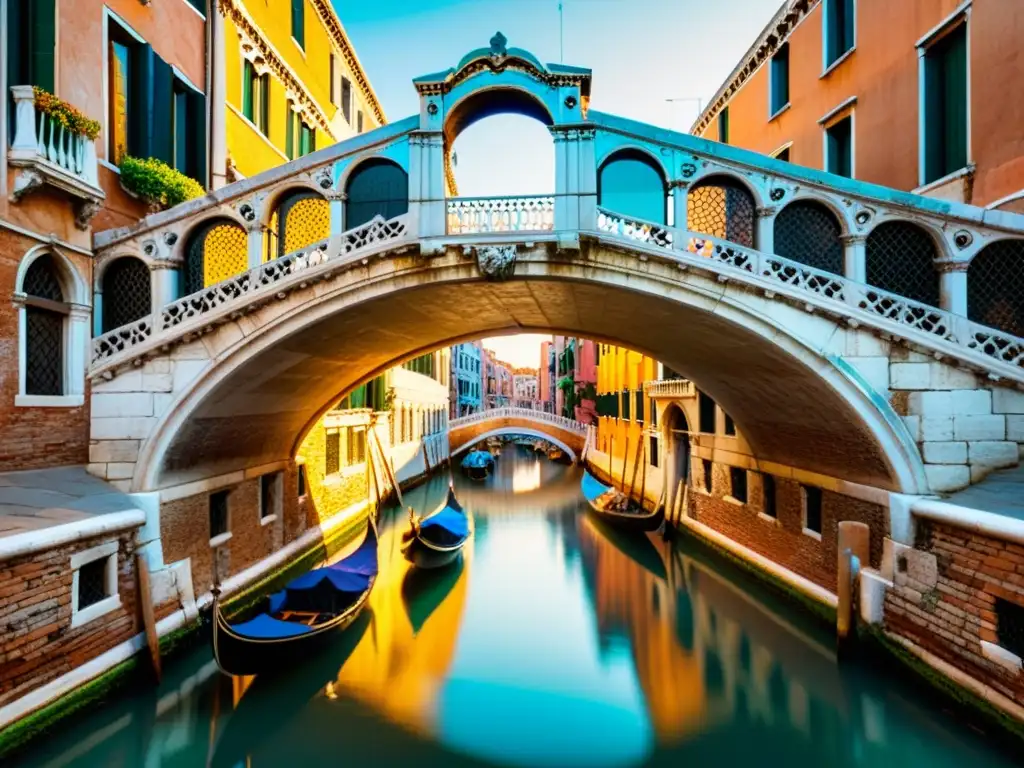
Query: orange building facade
x,y
919,95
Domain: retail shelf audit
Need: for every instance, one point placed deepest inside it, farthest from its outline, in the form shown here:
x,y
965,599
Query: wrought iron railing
x,y
271,277
528,414
500,214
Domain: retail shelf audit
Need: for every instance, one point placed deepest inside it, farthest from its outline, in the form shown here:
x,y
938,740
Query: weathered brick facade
x,y
31,438
944,596
37,642
783,540
326,496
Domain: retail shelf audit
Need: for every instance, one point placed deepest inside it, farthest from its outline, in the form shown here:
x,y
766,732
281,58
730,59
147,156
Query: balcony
x,y
670,388
46,153
500,214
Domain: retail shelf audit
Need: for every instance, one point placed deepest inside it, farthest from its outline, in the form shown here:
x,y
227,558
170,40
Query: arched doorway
x,y
677,463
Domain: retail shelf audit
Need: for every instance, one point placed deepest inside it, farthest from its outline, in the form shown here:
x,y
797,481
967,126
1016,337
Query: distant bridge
x,y
466,431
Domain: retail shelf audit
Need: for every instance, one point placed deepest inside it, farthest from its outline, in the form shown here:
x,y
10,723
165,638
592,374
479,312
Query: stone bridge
x,y
466,431
789,295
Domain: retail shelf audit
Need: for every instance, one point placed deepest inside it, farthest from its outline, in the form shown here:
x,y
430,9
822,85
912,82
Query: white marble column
x,y
78,349
680,215
254,234
764,238
218,101
164,281
586,187
953,286
337,202
855,265
561,141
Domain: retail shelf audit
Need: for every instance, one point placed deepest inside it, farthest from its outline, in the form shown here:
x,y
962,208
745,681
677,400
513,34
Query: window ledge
x,y
220,540
812,534
268,519
109,165
828,70
49,401
768,518
299,46
967,170
734,501
1001,656
195,10
94,611
784,108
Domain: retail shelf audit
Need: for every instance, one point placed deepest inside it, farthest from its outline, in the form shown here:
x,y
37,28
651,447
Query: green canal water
x,y
555,642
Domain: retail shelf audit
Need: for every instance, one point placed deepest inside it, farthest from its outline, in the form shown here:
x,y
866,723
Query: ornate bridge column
x,y
254,233
427,199
337,203
680,201
766,229
953,286
855,265
587,188
575,179
163,279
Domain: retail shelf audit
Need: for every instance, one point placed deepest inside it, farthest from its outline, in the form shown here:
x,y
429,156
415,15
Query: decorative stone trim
x,y
107,550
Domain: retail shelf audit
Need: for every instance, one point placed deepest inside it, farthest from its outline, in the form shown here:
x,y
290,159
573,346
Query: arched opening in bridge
x,y
631,183
677,464
126,293
500,163
810,233
722,207
901,259
995,286
300,219
377,187
216,250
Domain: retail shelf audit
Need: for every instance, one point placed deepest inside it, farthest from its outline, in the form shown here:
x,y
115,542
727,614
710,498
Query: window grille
x,y
45,311
995,286
901,260
217,251
723,208
126,293
92,583
305,218
809,233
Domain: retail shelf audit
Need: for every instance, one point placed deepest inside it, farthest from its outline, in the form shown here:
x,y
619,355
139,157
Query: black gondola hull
x,y
637,520
421,554
477,473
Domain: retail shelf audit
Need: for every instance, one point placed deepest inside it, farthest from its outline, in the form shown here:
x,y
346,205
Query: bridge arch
x,y
632,181
239,409
509,431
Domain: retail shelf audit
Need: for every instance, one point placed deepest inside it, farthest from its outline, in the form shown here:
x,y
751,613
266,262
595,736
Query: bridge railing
x,y
562,422
273,277
794,278
500,214
670,388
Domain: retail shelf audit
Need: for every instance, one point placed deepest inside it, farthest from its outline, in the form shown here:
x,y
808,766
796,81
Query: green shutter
x,y
298,22
289,136
265,104
196,143
161,93
248,75
42,17
17,71
954,101
140,101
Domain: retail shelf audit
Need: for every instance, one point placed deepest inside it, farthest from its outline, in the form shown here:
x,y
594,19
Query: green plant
x,y
156,182
64,114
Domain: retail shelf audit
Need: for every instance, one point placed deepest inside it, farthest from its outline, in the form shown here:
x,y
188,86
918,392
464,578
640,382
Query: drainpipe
x,y
217,90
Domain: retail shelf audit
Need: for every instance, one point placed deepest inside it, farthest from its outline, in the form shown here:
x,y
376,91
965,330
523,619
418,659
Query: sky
x,y
642,53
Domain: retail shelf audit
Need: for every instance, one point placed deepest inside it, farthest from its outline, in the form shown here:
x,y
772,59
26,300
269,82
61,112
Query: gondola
x,y
437,539
613,506
478,465
423,592
296,620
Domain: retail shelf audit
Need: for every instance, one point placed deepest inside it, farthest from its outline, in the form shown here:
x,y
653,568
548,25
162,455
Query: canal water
x,y
555,642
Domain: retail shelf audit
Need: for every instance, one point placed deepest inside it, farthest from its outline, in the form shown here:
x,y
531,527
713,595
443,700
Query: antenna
x,y
561,35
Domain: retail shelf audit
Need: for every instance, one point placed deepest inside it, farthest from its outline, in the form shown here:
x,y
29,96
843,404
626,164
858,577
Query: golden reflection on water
x,y
526,475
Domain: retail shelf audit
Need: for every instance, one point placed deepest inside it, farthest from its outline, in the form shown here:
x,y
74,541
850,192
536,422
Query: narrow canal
x,y
556,642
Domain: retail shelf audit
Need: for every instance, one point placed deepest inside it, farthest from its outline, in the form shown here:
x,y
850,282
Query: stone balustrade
x,y
500,214
670,388
562,422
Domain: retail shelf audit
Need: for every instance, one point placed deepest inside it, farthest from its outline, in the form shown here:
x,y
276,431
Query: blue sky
x,y
642,52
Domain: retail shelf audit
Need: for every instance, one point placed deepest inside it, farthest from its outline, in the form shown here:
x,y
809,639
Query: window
x,y
625,405
118,85
730,425
708,480
346,99
378,188
218,513
1010,626
839,29
188,122
359,121
300,139
738,483
332,453
945,105
812,509
290,130
302,480
706,413
46,316
179,127
782,154
126,293
654,451
94,583
839,147
256,97
299,22
639,405
31,43
334,80
723,125
270,495
779,75
768,490
356,446
307,139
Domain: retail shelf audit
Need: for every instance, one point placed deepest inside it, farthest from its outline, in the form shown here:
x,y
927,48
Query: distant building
x,y
546,377
466,378
575,376
498,381
526,389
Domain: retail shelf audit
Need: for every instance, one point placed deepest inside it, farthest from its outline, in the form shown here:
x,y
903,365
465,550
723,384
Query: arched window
x,y
218,250
377,187
809,232
126,293
46,315
301,218
995,286
722,207
901,260
631,183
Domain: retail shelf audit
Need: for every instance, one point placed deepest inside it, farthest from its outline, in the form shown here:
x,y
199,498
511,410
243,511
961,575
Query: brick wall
x,y
33,437
325,497
944,594
185,529
782,540
37,643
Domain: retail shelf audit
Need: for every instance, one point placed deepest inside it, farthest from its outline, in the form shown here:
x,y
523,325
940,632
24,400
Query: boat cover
x,y
364,559
451,521
267,627
477,459
592,487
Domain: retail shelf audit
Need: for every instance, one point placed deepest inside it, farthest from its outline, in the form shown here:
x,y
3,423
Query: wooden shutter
x,y
298,22
334,86
289,132
197,135
248,75
954,100
140,101
42,17
161,139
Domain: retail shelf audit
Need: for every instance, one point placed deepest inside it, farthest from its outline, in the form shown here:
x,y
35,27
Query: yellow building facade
x,y
626,416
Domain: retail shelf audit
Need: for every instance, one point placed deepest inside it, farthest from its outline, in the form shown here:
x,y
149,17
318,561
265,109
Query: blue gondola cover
x,y
592,487
267,627
478,460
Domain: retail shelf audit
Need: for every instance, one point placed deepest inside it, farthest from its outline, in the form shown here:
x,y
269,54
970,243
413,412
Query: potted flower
x,y
156,183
